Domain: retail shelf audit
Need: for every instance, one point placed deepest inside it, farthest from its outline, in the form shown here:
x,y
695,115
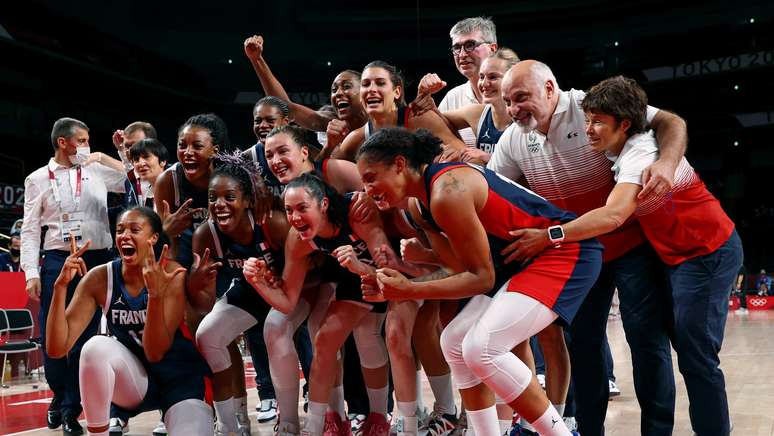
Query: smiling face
x,y
305,213
265,118
528,100
228,205
345,96
605,133
490,79
377,92
468,63
148,167
286,158
194,151
385,183
133,232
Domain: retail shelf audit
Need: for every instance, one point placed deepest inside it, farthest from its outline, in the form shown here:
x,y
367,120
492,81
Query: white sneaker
x,y
741,311
160,430
356,423
542,380
613,389
118,427
571,423
267,410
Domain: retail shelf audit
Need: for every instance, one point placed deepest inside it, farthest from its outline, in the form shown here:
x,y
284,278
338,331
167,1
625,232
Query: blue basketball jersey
x,y
125,316
488,135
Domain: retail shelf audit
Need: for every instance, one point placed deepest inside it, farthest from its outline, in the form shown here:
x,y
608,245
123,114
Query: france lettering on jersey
x,y
258,154
125,317
233,255
488,135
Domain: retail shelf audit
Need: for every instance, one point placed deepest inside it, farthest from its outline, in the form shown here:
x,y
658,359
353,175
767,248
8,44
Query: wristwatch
x,y
556,235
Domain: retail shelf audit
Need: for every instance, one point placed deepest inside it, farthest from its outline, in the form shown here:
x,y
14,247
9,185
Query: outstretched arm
x,y
303,115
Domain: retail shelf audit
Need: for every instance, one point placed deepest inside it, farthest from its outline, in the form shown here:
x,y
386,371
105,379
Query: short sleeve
x,y
503,160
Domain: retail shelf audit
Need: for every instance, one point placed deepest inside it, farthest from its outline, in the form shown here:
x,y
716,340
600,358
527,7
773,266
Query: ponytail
x,y
338,211
419,148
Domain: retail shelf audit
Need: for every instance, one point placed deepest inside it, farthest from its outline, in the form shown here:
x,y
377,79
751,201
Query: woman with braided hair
x,y
229,237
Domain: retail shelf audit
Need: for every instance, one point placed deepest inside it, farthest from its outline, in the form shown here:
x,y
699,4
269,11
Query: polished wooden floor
x,y
747,360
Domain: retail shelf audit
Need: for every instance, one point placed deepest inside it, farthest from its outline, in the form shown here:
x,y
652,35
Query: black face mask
x,y
15,252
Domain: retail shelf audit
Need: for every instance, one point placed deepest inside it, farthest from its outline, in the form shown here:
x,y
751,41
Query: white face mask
x,y
81,155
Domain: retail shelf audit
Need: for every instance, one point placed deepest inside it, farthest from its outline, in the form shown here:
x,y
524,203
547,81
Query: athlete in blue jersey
x,y
321,222
181,191
475,209
150,362
221,245
268,113
488,120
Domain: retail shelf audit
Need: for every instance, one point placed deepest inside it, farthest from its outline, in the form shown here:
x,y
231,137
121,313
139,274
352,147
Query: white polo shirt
x,y
40,208
563,168
458,97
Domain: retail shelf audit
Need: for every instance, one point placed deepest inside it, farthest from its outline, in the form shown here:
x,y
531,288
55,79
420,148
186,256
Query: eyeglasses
x,y
468,46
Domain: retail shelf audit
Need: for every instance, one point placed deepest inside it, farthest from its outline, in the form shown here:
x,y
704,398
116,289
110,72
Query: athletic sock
x,y
377,399
559,409
525,424
315,421
408,412
505,425
484,421
551,423
420,400
336,401
226,414
441,386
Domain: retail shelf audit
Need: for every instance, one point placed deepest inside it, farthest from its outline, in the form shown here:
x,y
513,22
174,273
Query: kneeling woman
x,y
151,362
475,208
321,222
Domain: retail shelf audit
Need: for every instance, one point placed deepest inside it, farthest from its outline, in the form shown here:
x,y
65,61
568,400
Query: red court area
x,y
27,410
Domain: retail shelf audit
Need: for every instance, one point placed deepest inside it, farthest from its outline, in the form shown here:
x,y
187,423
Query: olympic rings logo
x,y
757,302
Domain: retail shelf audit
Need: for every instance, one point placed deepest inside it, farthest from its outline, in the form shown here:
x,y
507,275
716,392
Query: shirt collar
x,y
53,165
470,94
563,104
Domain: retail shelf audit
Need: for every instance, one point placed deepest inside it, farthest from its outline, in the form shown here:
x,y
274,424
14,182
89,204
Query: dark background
x,y
109,63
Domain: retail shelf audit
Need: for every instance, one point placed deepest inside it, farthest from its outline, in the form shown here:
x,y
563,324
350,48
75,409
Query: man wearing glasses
x,y
473,39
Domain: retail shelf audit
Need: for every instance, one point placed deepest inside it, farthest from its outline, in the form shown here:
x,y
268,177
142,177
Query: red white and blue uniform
x,y
181,374
560,277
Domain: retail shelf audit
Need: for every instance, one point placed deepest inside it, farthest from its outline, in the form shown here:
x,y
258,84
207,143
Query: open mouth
x,y
223,218
281,171
190,166
128,251
342,107
373,102
380,201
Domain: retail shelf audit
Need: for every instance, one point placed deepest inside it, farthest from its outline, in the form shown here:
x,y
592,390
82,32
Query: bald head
x,y
531,94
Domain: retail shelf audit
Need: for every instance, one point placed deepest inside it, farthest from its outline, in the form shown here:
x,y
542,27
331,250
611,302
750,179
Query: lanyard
x,y
55,188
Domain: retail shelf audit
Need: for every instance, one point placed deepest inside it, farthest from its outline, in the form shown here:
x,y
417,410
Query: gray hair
x,y
65,127
470,25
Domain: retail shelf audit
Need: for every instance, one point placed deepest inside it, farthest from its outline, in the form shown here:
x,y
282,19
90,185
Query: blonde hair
x,y
509,56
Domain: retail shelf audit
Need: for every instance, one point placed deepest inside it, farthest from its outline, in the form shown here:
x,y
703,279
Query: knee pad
x,y
95,349
189,417
451,343
213,343
369,341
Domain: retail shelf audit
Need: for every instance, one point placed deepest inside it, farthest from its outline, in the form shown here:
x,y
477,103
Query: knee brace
x,y
189,417
369,341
